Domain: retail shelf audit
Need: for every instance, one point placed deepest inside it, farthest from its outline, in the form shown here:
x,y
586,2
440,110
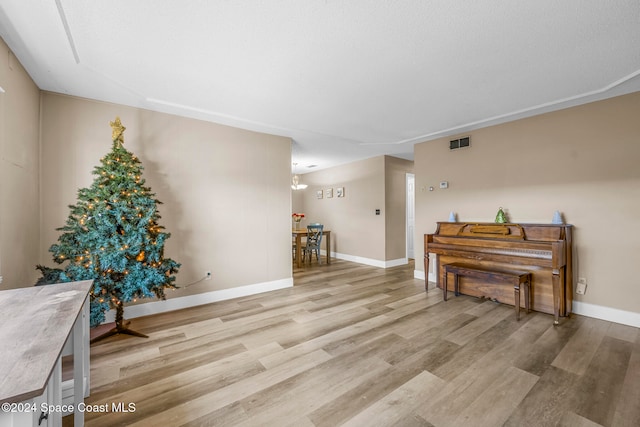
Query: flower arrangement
x,y
297,217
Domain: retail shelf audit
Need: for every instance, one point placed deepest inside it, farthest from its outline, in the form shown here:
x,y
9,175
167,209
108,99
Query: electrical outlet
x,y
207,275
581,288
0,279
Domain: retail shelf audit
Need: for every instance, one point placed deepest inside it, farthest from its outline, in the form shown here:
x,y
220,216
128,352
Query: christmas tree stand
x,y
120,328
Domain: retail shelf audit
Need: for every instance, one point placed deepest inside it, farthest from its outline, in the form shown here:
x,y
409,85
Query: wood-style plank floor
x,y
355,345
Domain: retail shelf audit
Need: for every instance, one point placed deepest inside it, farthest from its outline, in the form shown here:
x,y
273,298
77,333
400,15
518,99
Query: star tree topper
x,y
117,132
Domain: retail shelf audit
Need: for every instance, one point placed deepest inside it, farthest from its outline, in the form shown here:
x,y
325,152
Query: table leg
x,y
80,361
456,284
516,300
444,285
426,272
298,250
328,248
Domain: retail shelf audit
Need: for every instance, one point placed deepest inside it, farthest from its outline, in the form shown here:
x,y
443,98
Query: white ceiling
x,y
346,80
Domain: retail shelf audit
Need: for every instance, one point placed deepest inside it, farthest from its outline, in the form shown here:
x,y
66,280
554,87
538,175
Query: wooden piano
x,y
545,250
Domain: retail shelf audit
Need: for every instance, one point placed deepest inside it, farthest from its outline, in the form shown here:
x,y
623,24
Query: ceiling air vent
x,y
459,143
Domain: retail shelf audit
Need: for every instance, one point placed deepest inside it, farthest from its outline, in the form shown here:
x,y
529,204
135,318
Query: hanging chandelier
x,y
295,180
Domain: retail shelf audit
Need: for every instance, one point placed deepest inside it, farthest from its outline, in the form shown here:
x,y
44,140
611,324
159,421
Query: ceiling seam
x,y
473,125
67,30
287,131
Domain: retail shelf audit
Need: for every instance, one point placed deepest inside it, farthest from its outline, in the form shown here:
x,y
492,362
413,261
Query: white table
x,y
35,324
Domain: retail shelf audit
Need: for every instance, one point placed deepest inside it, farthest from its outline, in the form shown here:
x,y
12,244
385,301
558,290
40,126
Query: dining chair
x,y
293,248
314,239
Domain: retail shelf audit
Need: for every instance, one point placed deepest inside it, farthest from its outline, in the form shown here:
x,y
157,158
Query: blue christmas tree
x,y
112,236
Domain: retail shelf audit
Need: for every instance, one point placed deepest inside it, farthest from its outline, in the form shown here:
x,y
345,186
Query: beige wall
x,y
19,192
297,201
357,233
220,184
583,161
225,191
355,228
395,205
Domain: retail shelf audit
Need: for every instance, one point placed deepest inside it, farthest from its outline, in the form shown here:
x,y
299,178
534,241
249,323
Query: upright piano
x,y
544,250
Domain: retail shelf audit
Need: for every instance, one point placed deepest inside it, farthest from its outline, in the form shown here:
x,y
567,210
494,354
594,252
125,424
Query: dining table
x,y
299,233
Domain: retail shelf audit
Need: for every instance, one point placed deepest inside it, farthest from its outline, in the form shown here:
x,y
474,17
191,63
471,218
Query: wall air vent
x,y
459,143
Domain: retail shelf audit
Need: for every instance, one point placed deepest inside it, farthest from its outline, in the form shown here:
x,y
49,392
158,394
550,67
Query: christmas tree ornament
x,y
501,218
113,237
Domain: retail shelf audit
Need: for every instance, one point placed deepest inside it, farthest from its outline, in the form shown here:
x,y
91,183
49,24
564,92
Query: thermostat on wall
x,y
444,184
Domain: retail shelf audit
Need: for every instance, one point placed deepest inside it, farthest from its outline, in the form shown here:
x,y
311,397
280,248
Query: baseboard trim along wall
x,y
582,308
368,261
419,274
178,303
606,313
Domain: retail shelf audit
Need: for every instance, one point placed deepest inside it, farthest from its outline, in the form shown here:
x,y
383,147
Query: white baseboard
x,y
606,313
419,274
369,261
178,303
396,262
582,308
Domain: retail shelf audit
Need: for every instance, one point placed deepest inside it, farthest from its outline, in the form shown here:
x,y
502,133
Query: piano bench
x,y
515,278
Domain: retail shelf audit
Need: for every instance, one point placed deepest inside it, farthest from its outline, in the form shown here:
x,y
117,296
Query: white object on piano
x,y
452,216
557,218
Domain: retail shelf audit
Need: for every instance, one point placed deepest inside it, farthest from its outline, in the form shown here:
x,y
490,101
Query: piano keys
x,y
545,250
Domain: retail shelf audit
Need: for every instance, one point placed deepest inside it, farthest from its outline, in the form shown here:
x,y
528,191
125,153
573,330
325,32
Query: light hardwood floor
x,y
361,346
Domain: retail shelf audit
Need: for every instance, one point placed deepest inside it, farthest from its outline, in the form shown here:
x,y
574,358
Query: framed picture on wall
x,y
328,192
340,192
319,194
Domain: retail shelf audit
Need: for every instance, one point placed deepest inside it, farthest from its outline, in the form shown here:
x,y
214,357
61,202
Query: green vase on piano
x,y
501,217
